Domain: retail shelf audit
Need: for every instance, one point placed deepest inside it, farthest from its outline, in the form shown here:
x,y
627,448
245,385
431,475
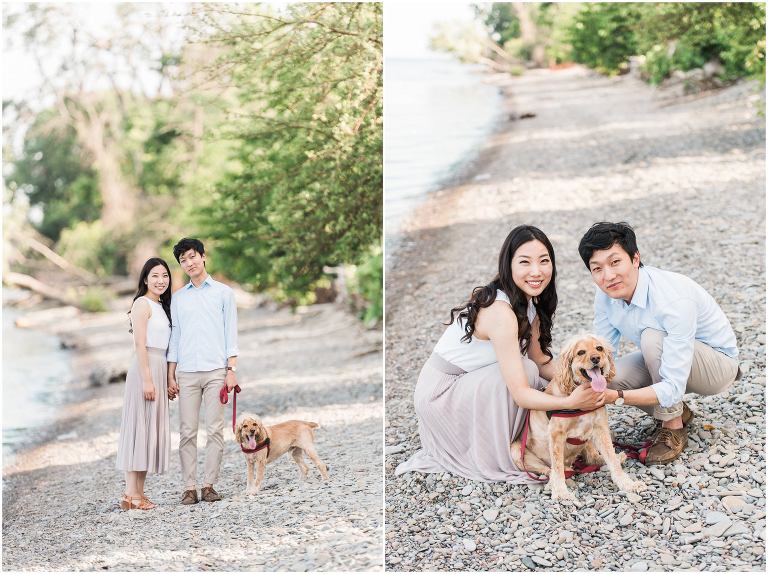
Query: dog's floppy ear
x,y
563,377
239,432
608,353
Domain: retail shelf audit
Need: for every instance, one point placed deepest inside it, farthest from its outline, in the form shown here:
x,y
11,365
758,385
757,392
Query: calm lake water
x,y
36,373
437,113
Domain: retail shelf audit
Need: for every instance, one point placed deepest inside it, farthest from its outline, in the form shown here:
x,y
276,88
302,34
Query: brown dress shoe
x,y
667,446
189,497
687,416
209,495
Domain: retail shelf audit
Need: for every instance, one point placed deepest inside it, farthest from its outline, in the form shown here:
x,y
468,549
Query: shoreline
x,y
680,170
459,169
337,383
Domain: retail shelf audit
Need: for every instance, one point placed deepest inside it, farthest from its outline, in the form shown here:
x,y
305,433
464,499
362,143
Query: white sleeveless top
x,y
476,353
158,329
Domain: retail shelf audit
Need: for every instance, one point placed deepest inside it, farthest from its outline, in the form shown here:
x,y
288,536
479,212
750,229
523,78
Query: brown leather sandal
x,y
129,503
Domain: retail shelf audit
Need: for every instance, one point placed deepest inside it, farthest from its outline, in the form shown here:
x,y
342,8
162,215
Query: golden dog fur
x,y
547,451
296,436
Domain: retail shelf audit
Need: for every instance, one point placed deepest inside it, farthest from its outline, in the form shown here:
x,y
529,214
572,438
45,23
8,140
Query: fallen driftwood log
x,y
29,282
46,318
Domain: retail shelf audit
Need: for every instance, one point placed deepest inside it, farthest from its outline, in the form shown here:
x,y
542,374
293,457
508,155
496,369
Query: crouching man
x,y
686,342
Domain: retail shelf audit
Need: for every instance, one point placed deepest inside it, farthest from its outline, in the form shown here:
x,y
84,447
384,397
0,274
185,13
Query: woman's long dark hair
x,y
484,296
165,298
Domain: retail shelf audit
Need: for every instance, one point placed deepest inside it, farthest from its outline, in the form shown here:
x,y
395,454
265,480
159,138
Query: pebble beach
x,y
61,492
688,173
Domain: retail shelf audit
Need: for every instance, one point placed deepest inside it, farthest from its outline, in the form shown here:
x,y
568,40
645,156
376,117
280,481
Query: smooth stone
x,y
490,514
541,561
736,529
529,563
627,519
719,528
467,490
658,474
469,545
395,449
641,566
714,517
733,503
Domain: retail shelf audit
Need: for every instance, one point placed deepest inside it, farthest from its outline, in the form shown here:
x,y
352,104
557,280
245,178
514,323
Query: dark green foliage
x,y
51,172
602,35
501,20
370,286
671,36
308,191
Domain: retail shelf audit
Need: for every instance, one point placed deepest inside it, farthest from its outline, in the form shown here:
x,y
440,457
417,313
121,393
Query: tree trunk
x,y
529,33
118,196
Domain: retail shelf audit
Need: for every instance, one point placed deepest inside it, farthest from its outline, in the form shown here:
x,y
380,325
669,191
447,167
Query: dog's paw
x,y
635,486
622,456
563,495
251,491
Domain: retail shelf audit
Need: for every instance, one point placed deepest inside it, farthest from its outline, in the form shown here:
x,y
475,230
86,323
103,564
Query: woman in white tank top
x,y
489,367
145,437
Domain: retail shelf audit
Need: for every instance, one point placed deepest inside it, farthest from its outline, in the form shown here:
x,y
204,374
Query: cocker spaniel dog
x,y
264,444
586,360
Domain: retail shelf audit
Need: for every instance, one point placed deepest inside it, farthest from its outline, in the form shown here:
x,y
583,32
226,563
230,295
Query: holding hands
x,y
173,388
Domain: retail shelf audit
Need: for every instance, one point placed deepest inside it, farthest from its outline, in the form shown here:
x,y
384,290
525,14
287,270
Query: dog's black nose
x,y
595,359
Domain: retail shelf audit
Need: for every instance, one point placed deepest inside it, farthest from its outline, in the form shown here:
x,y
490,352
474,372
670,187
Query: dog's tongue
x,y
252,442
598,380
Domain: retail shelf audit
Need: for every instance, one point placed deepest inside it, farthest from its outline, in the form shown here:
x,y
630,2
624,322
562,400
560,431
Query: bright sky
x,y
408,25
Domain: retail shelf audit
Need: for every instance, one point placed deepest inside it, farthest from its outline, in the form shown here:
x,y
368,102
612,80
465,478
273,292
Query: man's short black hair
x,y
603,235
185,245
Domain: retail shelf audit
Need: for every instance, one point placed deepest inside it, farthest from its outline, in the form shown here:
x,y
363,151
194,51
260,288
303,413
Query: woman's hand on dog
x,y
586,399
149,390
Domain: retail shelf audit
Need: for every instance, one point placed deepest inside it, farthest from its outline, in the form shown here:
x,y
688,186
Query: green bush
x,y
602,35
90,246
368,283
605,35
95,300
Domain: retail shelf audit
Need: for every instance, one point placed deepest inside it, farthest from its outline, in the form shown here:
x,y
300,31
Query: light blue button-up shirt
x,y
676,305
204,327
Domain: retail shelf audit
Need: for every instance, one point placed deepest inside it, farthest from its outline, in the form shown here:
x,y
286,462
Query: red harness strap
x,y
634,451
579,467
262,445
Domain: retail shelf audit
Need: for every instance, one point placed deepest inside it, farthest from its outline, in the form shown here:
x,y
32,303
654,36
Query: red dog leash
x,y
224,399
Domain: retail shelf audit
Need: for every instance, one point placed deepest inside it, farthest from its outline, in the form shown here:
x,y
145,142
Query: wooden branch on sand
x,y
28,282
54,257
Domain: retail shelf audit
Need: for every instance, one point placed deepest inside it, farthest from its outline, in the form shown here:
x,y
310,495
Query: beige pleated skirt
x,y
145,431
467,421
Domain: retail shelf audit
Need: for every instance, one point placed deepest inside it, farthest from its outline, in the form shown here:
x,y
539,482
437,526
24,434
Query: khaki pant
x,y
712,372
195,388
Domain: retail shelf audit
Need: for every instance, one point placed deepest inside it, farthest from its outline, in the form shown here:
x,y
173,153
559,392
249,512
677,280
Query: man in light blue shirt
x,y
202,357
686,342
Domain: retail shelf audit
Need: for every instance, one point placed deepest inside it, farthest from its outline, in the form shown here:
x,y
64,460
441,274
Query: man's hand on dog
x,y
586,399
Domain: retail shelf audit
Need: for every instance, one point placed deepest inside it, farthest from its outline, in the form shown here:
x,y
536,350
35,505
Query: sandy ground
x,y
689,174
60,495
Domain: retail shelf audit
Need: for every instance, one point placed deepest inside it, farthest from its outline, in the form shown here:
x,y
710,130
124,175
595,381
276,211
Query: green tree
x,y
307,190
50,172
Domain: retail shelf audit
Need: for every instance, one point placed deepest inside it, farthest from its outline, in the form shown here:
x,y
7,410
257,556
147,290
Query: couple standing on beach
x,y
186,346
489,366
